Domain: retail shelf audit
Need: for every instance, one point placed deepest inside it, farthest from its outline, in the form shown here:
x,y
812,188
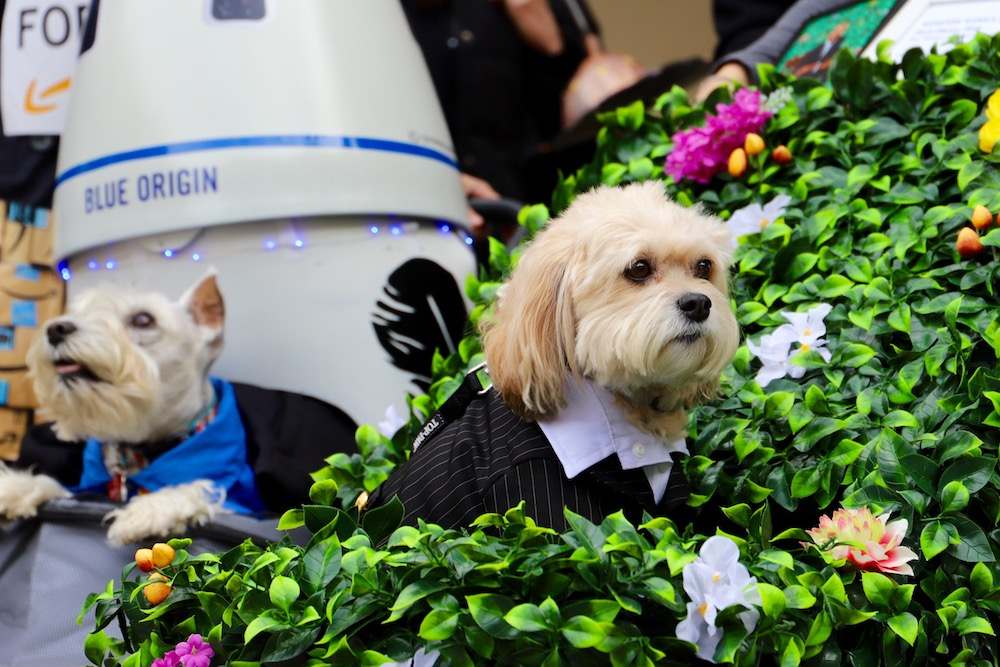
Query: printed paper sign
x,y
40,42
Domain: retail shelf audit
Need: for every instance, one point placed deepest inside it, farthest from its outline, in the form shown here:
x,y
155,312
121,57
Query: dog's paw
x,y
22,493
166,512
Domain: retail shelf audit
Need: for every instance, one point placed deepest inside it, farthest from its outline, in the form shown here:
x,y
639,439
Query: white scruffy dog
x,y
125,366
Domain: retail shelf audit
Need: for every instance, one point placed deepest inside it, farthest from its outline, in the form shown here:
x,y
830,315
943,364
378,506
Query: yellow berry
x,y
163,554
753,144
737,162
968,244
981,217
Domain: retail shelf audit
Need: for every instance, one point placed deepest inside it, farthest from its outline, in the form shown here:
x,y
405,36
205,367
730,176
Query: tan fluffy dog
x,y
627,289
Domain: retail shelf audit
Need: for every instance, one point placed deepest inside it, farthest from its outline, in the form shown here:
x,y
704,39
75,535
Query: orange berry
x,y
968,244
981,217
781,154
163,554
144,559
753,144
156,592
737,162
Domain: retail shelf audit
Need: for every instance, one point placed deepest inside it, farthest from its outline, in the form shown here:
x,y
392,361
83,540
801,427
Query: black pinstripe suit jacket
x,y
488,459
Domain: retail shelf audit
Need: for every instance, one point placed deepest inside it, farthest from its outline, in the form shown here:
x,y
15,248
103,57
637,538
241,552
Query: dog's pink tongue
x,y
63,369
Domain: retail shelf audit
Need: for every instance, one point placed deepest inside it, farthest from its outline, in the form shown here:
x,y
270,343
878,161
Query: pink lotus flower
x,y
699,153
863,540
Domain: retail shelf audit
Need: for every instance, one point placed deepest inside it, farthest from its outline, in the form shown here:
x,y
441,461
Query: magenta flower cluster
x,y
195,652
699,153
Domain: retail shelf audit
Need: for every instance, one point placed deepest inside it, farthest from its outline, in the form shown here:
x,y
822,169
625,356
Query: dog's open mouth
x,y
72,370
688,338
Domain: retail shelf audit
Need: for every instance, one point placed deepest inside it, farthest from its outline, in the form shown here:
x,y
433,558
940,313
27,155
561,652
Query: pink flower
x,y
701,152
195,652
868,543
171,659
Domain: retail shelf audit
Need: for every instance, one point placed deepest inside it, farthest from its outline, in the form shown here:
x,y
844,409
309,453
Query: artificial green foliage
x,y
903,419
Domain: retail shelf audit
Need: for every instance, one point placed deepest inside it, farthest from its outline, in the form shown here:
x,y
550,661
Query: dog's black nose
x,y
57,332
695,306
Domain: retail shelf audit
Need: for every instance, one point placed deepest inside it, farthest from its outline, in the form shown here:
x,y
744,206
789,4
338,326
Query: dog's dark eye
x,y
703,269
639,271
142,320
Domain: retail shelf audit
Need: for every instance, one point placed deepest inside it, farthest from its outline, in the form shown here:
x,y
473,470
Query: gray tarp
x,y
50,564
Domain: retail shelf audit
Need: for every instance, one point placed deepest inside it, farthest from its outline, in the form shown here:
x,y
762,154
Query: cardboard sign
x,y
40,41
16,390
13,425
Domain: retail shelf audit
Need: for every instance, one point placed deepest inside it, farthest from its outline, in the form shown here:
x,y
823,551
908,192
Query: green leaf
x,y
975,624
583,632
96,646
799,597
772,599
488,611
969,173
972,546
438,625
905,625
805,482
954,497
854,355
380,522
291,520
981,580
878,588
322,562
283,592
778,557
834,589
935,538
412,594
973,471
820,630
263,623
791,656
526,618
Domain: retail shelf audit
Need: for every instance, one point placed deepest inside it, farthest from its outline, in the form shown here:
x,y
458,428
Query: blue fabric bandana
x,y
218,453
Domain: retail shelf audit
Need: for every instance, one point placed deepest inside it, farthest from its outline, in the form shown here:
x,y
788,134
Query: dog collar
x,y
123,459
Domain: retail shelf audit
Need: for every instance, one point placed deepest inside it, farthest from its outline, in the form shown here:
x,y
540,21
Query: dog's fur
x,y
134,370
569,308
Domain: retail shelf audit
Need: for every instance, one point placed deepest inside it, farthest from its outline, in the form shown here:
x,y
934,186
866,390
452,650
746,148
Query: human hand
x,y
731,72
536,24
474,187
599,76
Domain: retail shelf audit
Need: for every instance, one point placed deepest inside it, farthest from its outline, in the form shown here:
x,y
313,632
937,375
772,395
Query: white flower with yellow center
x,y
715,581
754,218
775,350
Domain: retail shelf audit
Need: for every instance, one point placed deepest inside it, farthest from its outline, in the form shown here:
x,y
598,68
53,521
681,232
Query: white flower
x,y
778,99
715,581
774,353
775,349
753,218
392,422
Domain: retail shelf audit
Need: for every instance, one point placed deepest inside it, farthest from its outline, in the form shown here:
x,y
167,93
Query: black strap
x,y
451,409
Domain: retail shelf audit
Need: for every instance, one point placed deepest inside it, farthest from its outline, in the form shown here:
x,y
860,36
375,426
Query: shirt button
x,y
452,42
467,36
639,450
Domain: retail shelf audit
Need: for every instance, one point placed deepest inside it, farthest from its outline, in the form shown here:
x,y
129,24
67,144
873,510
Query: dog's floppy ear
x,y
203,301
529,340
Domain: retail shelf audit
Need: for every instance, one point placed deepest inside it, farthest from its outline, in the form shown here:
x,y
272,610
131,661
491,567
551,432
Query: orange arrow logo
x,y
31,106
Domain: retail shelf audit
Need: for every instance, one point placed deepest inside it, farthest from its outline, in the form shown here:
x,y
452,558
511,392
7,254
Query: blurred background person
x,y
499,69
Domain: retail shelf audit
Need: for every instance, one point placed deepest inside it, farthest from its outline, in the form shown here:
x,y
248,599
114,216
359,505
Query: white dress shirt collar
x,y
592,427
